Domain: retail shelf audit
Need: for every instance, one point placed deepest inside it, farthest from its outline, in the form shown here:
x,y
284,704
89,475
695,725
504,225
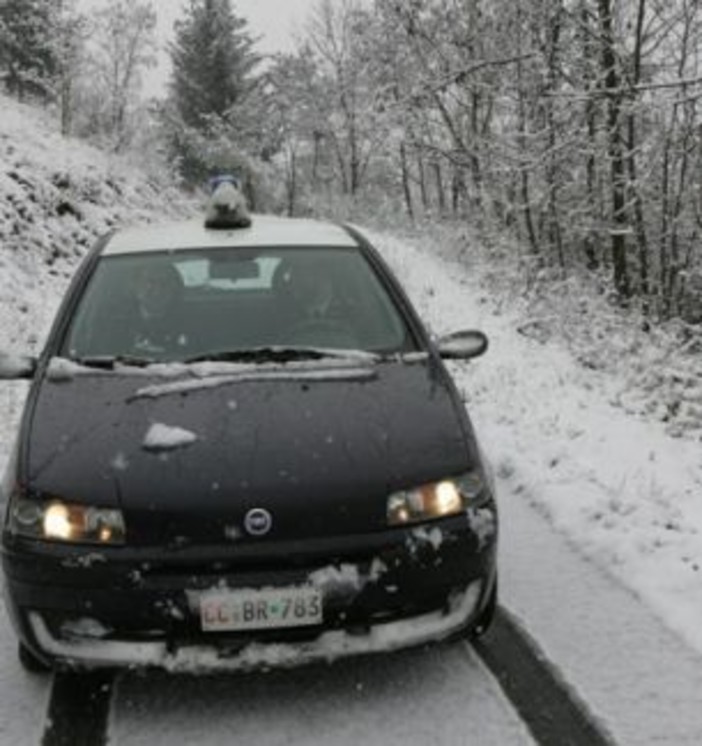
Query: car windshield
x,y
216,303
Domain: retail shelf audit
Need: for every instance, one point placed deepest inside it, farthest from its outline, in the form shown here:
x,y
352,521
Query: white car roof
x,y
266,230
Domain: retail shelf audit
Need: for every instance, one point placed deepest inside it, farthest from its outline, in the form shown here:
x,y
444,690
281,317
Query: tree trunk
x,y
615,151
639,222
292,183
439,181
66,98
554,230
458,189
521,140
317,137
663,241
422,183
475,165
406,180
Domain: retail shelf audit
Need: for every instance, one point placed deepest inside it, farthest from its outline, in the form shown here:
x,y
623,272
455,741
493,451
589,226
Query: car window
x,y
179,305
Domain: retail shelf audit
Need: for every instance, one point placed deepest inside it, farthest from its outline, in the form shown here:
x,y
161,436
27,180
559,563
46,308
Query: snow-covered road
x,y
588,495
439,696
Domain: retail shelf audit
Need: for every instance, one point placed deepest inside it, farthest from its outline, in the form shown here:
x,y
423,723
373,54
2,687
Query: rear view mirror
x,y
16,367
242,269
462,345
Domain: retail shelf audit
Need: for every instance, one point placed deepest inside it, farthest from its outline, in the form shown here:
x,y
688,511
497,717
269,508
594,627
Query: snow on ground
x,y
23,699
622,488
639,679
441,695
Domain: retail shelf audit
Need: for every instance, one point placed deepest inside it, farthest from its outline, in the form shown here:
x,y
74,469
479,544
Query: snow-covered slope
x,y
57,196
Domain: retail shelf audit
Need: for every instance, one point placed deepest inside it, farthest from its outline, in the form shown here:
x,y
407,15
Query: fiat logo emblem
x,y
258,522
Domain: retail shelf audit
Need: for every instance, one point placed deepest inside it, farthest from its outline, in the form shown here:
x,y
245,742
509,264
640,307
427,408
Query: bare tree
x,y
574,122
124,46
338,35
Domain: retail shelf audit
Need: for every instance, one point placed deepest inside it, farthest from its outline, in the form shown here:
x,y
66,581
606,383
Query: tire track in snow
x,y
80,702
545,702
78,709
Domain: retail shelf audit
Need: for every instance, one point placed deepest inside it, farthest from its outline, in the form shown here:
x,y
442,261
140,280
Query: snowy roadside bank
x,y
619,486
57,195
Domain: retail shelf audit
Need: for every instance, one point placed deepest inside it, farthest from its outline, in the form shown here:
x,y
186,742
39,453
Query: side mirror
x,y
462,345
16,367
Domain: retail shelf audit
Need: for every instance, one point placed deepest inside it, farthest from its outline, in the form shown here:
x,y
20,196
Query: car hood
x,y
187,457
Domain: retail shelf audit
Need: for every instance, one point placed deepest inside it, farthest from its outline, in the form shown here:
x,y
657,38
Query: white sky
x,y
274,22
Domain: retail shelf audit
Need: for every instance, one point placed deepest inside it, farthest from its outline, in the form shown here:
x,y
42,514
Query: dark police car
x,y
241,449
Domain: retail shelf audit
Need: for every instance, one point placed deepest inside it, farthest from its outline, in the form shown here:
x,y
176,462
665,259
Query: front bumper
x,y
328,646
78,606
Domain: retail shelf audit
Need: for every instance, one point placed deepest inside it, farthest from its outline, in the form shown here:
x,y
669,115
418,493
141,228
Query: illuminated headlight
x,y
437,499
56,520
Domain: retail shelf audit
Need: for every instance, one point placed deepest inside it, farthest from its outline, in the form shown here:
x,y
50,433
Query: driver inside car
x,y
158,291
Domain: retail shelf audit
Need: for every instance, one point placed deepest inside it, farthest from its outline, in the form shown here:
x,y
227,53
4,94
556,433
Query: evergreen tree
x,y
26,58
212,60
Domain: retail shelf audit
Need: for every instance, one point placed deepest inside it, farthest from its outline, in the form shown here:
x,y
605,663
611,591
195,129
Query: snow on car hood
x,y
320,452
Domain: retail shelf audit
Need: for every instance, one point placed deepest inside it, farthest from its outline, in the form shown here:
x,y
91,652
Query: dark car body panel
x,y
320,455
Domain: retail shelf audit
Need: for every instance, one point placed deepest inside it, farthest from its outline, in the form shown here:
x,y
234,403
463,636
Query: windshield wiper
x,y
108,362
273,354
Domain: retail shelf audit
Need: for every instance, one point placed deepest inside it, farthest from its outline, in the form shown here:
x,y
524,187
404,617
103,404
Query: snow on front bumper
x,y
329,646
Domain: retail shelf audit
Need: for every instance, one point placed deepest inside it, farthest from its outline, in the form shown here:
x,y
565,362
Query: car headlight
x,y
55,520
437,499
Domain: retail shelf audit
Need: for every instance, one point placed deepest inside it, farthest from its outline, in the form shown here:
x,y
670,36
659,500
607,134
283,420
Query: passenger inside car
x,y
312,292
173,307
317,313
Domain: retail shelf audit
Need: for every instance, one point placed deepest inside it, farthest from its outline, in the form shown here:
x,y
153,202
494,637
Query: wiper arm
x,y
108,362
264,355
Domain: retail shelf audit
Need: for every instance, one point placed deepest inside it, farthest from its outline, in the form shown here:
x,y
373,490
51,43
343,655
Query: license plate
x,y
260,609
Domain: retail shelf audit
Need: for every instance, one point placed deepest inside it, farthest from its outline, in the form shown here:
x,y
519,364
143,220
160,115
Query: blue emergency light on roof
x,y
227,206
214,181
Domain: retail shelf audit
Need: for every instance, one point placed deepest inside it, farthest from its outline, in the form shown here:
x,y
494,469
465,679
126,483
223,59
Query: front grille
x,y
203,571
221,567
